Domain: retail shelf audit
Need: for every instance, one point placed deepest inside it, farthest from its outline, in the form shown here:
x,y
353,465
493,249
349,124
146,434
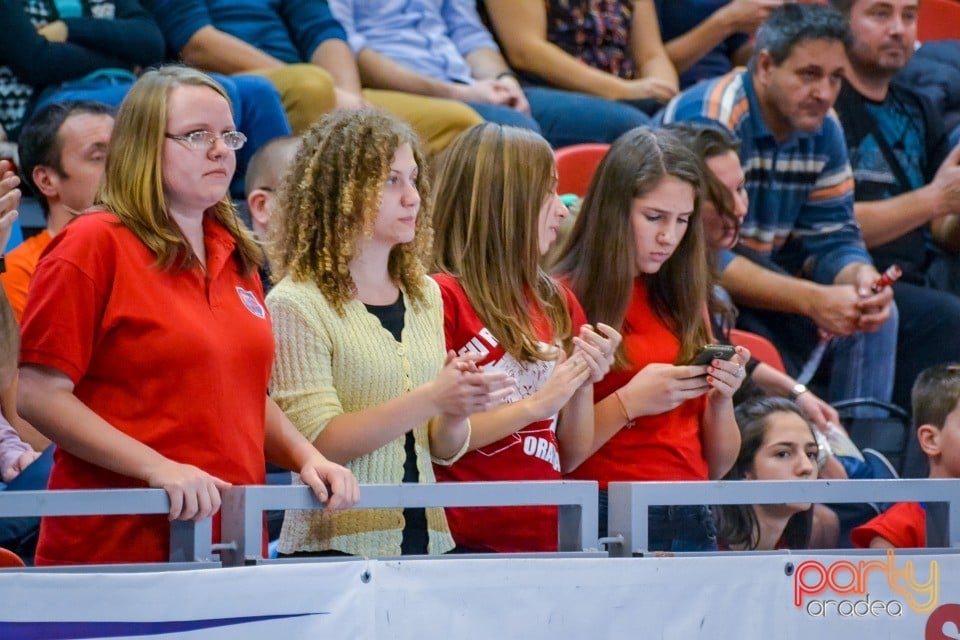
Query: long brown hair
x,y
332,195
708,140
491,184
599,257
133,179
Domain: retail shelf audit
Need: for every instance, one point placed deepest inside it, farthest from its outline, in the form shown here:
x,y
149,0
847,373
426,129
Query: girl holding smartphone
x,y
636,260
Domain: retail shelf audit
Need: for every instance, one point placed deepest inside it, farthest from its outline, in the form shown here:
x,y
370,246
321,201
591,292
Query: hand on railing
x,y
331,483
194,493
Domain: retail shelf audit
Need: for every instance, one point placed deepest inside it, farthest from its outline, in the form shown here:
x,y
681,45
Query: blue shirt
x,y
289,30
431,37
800,190
677,17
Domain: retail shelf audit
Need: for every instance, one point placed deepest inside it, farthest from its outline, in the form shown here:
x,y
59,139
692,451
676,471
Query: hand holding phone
x,y
711,352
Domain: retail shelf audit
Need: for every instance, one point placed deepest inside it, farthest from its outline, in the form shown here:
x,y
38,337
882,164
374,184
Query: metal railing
x,y
628,518
629,503
243,508
189,541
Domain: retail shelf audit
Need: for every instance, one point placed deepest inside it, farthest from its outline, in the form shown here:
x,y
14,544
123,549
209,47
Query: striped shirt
x,y
800,189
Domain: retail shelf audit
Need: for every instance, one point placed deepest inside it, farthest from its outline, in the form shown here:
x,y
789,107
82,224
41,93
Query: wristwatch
x,y
3,263
797,390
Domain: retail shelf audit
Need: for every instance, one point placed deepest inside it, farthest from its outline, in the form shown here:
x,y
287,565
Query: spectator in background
x,y
46,45
936,413
637,261
9,201
301,49
708,38
162,279
611,49
496,204
267,171
804,265
264,177
19,465
92,50
724,203
359,332
906,184
442,49
16,456
63,149
777,443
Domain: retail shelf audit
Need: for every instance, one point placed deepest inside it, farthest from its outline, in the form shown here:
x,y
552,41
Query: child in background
x,y
267,169
265,173
936,412
777,443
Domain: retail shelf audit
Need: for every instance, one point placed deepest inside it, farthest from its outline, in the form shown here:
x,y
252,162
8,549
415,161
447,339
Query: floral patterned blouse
x,y
597,32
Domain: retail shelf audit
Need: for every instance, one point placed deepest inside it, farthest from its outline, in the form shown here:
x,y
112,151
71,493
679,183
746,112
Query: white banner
x,y
781,596
279,602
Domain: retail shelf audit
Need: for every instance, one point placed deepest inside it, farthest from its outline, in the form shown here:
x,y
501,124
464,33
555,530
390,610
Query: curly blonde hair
x,y
332,195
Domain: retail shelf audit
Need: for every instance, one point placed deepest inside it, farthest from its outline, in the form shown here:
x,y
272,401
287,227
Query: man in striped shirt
x,y
801,264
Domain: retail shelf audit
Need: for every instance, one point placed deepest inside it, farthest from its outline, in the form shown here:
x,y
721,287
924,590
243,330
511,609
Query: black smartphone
x,y
711,352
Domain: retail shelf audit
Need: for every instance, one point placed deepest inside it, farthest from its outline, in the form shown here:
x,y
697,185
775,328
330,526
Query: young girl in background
x,y
636,260
497,213
777,444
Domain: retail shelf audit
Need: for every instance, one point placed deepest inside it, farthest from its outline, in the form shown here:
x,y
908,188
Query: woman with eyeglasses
x,y
147,346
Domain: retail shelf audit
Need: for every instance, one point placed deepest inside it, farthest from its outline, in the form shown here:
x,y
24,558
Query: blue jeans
x,y
673,528
256,106
20,534
862,364
929,334
863,367
565,117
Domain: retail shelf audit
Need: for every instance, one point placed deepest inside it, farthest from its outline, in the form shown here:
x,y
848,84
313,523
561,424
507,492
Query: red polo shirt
x,y
178,359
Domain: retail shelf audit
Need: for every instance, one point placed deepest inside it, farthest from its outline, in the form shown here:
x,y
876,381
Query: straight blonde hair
x,y
492,182
132,187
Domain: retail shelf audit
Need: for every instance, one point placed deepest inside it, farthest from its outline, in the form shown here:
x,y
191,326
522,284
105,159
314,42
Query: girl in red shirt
x,y
637,260
497,213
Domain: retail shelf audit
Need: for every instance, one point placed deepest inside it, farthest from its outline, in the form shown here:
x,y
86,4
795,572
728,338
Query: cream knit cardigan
x,y
326,365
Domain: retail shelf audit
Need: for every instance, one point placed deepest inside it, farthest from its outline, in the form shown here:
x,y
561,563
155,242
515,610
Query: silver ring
x,y
739,373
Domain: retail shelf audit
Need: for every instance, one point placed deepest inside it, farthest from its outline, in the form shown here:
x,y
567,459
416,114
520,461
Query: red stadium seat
x,y
9,559
760,348
938,20
575,166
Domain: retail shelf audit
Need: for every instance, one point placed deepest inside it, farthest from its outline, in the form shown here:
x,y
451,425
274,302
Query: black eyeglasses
x,y
203,140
